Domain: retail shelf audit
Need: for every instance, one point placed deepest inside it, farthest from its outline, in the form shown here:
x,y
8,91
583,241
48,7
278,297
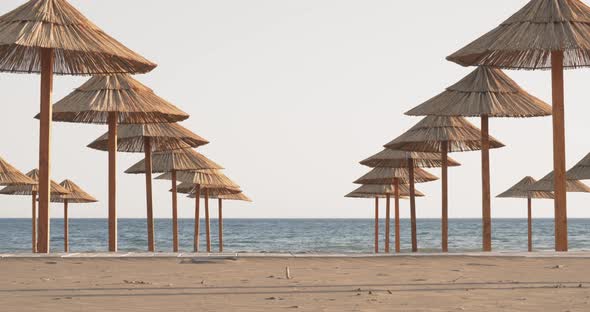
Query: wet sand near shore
x,y
425,283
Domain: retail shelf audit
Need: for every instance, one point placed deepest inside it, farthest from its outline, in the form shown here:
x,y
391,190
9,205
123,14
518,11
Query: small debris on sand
x,y
559,266
287,273
136,282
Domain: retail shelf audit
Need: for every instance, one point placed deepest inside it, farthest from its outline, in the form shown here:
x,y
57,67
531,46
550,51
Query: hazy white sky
x,y
292,94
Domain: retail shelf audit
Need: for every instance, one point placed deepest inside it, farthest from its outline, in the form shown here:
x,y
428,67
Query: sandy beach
x,y
404,283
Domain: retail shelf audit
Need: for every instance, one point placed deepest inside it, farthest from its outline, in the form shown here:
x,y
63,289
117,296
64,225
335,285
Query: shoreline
x,y
221,256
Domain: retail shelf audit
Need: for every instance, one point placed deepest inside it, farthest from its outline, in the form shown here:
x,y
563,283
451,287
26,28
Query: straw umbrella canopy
x,y
32,190
174,161
391,158
520,190
148,138
485,92
581,171
9,175
76,196
219,194
441,134
51,36
114,100
384,191
203,182
399,176
547,184
544,34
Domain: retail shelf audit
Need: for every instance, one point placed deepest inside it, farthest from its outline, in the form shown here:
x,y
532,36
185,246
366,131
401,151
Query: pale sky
x,y
292,95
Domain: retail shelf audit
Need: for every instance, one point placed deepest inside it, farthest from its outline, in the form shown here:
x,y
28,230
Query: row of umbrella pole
x,y
52,37
68,192
544,34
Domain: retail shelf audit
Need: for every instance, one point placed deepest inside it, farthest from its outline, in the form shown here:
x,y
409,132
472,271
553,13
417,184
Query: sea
x,y
294,235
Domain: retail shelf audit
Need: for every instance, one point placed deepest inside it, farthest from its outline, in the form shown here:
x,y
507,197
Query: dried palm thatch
x,y
218,193
526,39
163,137
386,176
239,196
56,189
547,184
520,190
581,171
486,91
364,195
133,102
391,158
11,176
178,160
383,190
430,133
203,178
213,190
81,48
77,195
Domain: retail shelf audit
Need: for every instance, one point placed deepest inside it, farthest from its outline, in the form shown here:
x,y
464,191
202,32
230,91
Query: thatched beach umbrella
x,y
581,171
220,198
544,34
520,190
33,190
444,135
114,100
383,191
398,176
203,182
547,184
76,196
390,158
51,36
174,161
148,138
485,92
9,175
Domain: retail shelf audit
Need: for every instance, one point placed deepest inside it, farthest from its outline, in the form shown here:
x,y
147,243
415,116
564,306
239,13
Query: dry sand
x,y
434,283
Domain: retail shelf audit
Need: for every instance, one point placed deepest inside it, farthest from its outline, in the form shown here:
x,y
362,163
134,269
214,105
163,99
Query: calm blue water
x,y
298,236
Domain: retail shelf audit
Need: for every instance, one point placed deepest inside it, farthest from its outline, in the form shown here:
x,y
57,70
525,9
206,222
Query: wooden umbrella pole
x,y
445,199
413,205
387,221
66,227
197,217
485,183
561,241
45,118
397,229
34,222
530,222
147,144
112,144
207,223
376,225
220,220
174,213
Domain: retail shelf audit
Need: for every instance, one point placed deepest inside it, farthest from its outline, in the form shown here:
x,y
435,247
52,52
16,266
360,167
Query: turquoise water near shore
x,y
294,235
